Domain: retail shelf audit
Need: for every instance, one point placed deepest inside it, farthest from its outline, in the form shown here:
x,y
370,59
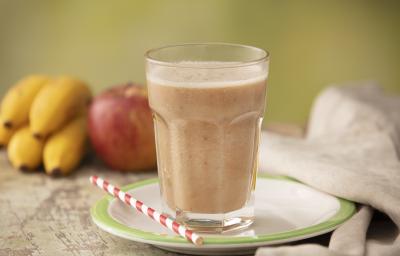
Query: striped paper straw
x,y
162,219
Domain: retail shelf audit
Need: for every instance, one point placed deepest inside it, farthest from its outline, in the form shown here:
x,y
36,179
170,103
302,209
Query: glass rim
x,y
264,56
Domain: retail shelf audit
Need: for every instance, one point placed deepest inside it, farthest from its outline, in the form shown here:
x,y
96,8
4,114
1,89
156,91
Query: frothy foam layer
x,y
206,74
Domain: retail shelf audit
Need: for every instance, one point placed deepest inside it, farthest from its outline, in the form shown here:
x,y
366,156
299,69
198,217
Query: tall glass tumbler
x,y
208,103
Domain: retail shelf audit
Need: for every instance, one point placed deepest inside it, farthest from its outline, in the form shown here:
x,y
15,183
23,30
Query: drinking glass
x,y
208,103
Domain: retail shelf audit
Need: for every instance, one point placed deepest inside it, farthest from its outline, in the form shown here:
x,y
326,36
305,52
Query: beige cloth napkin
x,y
352,150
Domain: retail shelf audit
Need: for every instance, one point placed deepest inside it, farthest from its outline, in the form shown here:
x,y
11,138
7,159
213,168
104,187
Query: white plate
x,y
286,211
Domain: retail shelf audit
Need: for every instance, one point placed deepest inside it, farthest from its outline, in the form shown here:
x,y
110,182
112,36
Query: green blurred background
x,y
312,43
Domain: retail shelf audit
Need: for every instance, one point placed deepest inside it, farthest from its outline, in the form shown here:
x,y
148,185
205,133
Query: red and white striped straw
x,y
162,219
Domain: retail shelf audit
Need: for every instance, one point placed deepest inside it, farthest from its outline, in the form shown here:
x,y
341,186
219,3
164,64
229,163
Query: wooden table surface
x,y
40,215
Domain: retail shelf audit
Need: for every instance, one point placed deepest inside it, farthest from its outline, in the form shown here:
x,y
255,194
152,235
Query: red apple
x,y
121,128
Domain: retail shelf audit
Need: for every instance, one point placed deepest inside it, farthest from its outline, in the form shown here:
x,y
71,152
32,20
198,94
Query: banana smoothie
x,y
207,128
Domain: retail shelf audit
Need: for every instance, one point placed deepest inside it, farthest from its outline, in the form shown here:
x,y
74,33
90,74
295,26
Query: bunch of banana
x,y
43,120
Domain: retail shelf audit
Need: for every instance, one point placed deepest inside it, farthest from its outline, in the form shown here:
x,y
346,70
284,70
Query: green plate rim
x,y
100,215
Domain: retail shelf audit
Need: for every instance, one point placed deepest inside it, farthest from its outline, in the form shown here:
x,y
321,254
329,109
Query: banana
x,y
24,151
5,135
18,100
57,104
65,149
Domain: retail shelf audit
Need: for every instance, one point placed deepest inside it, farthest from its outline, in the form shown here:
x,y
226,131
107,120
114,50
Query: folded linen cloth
x,y
351,150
